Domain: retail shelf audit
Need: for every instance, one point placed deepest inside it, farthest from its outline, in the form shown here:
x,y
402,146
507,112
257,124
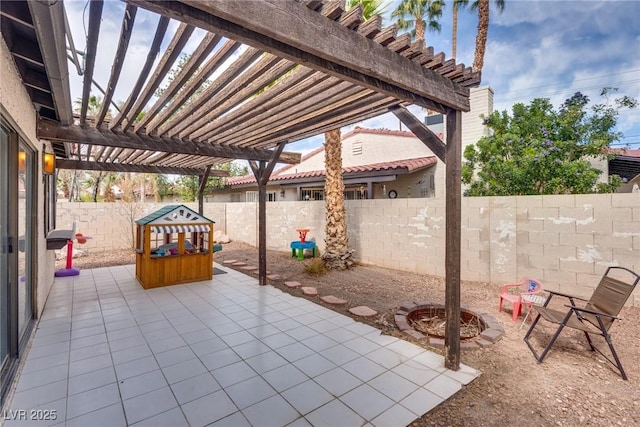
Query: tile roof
x,y
625,152
359,129
355,131
406,166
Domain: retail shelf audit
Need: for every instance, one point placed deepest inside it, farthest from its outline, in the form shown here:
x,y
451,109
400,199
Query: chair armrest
x,y
595,313
565,295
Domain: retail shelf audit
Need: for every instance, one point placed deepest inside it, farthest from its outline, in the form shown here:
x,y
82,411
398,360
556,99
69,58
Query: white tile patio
x,y
226,352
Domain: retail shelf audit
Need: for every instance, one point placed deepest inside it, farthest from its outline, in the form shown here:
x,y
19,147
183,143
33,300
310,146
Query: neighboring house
x,y
627,166
377,164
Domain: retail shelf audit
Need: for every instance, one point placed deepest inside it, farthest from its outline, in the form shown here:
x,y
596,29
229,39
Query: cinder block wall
x,y
566,241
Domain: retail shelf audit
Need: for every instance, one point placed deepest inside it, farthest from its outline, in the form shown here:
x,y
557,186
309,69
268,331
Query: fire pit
x,y
422,321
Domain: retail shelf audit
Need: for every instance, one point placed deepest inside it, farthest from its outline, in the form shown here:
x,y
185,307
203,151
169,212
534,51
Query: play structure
x,y
173,245
298,246
69,270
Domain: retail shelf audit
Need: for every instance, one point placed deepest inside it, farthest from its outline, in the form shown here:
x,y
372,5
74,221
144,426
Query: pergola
x,y
292,69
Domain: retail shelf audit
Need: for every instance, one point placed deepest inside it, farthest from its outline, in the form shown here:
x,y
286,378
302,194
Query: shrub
x,y
315,267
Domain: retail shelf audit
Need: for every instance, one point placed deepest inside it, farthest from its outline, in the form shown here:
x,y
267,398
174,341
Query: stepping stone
x,y
363,311
309,290
330,299
273,277
230,261
248,267
293,284
239,264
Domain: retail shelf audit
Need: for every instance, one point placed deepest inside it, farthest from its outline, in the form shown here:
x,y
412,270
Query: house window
x,y
432,182
356,148
357,193
312,194
252,196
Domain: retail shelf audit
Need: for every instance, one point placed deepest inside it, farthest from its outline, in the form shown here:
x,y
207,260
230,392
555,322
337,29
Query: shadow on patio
x,y
221,352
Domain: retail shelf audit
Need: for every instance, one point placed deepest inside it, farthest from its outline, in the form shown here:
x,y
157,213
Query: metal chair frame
x,y
593,318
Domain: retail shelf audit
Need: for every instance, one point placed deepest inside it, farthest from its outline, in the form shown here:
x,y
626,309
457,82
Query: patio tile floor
x,y
225,352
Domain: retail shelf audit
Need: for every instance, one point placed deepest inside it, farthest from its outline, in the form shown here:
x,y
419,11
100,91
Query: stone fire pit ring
x,y
491,330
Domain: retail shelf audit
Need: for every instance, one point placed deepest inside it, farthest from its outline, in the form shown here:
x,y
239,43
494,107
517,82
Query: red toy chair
x,y
526,286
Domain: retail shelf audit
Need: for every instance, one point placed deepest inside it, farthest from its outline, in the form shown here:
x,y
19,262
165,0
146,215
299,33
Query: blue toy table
x,y
297,248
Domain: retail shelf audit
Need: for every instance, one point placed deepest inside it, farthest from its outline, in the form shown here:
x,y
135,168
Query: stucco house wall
x,y
19,112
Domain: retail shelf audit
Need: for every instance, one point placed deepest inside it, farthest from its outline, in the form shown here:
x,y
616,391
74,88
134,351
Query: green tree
x,y
482,6
418,16
369,7
538,150
188,187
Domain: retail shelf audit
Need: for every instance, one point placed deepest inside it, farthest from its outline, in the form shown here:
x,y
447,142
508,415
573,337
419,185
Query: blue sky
x,y
549,49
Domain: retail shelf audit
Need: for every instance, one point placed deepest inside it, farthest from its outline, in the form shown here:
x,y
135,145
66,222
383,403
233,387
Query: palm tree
x,y
483,29
419,15
337,255
457,4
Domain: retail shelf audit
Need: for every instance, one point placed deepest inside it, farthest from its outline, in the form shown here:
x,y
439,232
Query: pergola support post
x,y
202,184
452,239
262,171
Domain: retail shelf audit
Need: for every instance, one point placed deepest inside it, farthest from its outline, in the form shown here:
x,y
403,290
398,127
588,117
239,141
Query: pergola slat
x,y
224,53
207,45
340,94
153,52
118,61
285,104
184,118
95,13
201,117
240,96
263,102
287,29
180,39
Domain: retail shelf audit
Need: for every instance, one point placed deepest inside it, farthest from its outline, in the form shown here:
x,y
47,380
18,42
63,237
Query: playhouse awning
x,y
169,229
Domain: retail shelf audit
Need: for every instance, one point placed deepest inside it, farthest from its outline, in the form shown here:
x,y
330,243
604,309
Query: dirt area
x,y
572,387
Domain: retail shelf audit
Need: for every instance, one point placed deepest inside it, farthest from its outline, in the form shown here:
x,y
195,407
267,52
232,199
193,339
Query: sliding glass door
x,y
4,249
18,249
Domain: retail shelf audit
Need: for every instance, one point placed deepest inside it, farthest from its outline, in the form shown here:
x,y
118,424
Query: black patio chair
x,y
597,315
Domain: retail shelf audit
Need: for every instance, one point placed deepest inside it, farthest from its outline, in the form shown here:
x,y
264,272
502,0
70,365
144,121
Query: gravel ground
x,y
572,387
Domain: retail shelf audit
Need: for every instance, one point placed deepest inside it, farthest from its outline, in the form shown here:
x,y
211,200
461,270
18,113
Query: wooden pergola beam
x,y
75,134
422,132
163,23
95,15
291,30
118,61
137,168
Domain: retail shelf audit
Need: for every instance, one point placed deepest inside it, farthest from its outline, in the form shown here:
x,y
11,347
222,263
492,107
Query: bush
x,y
315,267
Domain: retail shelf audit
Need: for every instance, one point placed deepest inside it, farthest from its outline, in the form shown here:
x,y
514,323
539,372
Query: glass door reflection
x,y
26,197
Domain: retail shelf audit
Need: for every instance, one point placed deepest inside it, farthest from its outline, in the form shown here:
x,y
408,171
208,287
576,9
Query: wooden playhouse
x,y
173,245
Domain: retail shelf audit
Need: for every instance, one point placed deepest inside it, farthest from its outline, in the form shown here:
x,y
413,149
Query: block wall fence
x,y
566,241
